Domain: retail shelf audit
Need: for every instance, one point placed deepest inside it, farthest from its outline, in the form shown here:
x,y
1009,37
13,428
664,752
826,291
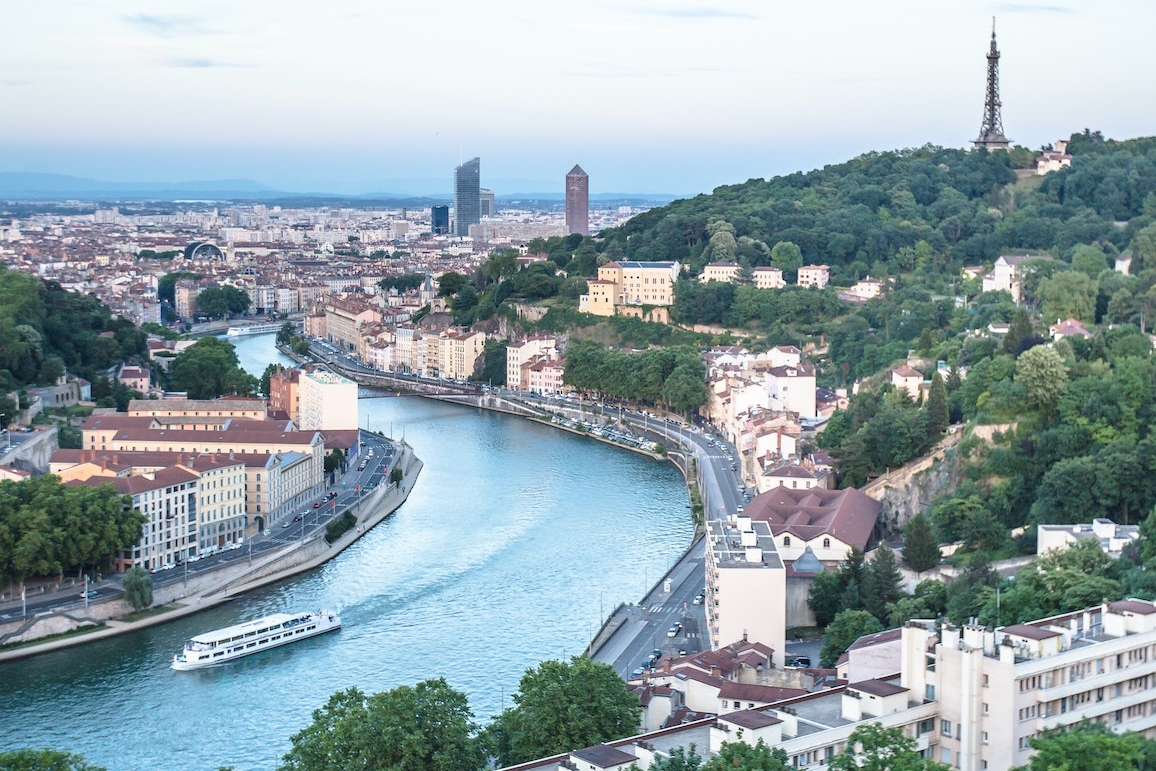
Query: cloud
x,y
698,12
1020,8
166,26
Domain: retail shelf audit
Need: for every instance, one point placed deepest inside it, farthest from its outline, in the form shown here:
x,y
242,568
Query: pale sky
x,y
662,96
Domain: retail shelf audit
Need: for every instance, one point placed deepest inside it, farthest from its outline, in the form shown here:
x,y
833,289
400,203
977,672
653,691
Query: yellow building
x,y
629,282
459,353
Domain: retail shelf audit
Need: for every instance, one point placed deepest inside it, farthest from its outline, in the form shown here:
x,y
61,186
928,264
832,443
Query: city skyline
x,y
665,99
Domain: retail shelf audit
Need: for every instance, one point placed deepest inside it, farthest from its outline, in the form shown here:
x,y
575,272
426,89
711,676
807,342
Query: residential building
x,y
792,389
742,563
328,401
907,379
543,374
518,354
459,353
1111,537
641,283
1007,273
768,278
817,276
285,394
829,522
135,379
1068,327
726,272
467,196
599,299
577,201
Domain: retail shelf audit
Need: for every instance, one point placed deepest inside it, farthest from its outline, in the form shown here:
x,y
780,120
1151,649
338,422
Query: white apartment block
x,y
518,354
168,500
817,276
768,278
328,401
792,389
746,585
726,272
459,352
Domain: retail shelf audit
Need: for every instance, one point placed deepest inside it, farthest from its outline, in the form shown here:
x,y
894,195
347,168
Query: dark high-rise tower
x,y
440,220
577,201
467,196
991,132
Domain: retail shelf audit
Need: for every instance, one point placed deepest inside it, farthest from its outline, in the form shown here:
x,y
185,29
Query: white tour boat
x,y
239,640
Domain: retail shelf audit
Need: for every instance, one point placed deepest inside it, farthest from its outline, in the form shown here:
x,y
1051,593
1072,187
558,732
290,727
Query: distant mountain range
x,y
29,186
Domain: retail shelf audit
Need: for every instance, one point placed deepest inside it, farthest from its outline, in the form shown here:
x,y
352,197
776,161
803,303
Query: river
x,y
516,541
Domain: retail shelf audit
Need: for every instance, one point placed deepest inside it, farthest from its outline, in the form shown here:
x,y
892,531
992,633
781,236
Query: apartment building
x,y
768,278
285,394
817,276
459,352
792,389
641,283
520,353
725,272
746,585
328,401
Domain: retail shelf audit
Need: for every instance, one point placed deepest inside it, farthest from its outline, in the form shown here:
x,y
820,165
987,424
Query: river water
x,y
516,541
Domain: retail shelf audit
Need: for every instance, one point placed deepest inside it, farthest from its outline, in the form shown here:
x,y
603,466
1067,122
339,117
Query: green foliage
x,y
209,369
403,284
45,330
138,588
426,726
222,301
740,756
675,377
47,528
871,747
396,475
494,363
880,430
1088,746
450,283
938,415
920,548
882,582
340,526
847,627
680,760
334,460
561,706
44,760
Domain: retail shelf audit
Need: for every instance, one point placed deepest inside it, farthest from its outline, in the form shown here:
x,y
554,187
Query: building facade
x,y
577,201
328,401
467,196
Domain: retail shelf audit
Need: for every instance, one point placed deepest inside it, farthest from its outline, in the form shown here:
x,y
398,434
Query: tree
x,y
426,726
396,475
680,760
286,333
740,756
561,706
872,747
138,588
1042,373
449,283
1069,294
1019,328
847,627
787,257
920,549
209,369
44,760
1086,746
938,416
882,583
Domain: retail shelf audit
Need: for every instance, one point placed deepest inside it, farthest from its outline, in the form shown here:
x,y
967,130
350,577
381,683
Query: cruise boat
x,y
233,642
255,329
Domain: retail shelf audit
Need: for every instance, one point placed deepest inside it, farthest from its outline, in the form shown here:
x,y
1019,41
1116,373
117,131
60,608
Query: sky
x,y
649,96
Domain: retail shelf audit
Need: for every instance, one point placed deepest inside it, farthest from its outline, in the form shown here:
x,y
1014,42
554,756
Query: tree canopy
x,y
426,726
561,706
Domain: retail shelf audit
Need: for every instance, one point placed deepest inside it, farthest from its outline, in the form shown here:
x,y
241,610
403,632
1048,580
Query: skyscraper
x,y
577,201
440,220
991,131
467,196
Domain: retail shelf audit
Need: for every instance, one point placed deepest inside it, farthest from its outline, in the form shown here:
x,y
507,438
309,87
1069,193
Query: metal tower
x,y
991,132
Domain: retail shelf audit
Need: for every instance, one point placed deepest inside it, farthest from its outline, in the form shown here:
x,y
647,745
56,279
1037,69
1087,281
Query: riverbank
x,y
226,584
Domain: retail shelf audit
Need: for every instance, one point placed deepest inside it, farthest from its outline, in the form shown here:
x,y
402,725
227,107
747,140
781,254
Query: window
x,y
986,708
786,540
945,726
826,543
985,737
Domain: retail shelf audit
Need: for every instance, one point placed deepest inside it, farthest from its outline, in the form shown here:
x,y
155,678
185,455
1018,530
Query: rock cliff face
x,y
906,491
